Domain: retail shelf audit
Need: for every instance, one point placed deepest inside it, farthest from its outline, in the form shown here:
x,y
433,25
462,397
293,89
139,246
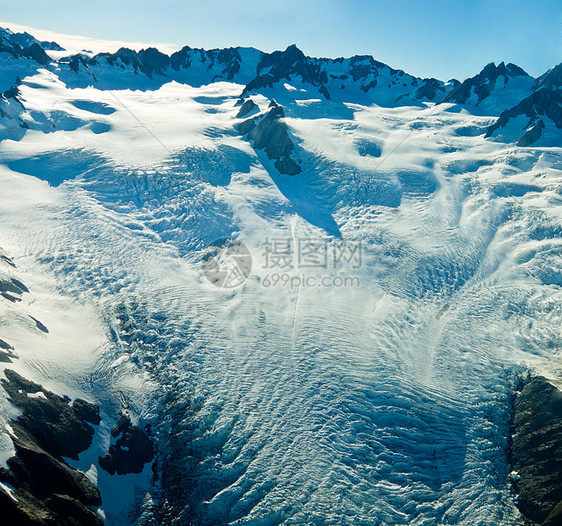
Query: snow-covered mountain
x,y
395,246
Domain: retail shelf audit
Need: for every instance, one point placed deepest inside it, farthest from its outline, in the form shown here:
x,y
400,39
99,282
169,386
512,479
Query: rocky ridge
x,y
536,452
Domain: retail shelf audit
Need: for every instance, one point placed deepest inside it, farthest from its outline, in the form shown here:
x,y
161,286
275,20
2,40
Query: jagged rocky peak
x,y
123,56
248,107
544,101
492,72
210,65
280,63
153,60
431,89
25,39
484,83
270,133
18,47
258,70
147,61
552,79
283,65
503,90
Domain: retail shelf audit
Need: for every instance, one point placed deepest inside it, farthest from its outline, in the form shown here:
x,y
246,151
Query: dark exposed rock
x,y
221,63
153,61
532,134
55,425
271,134
122,57
6,352
75,62
5,346
536,451
11,93
324,91
368,148
12,288
6,356
181,59
485,82
546,100
430,89
229,60
12,285
246,126
148,61
35,466
45,490
6,259
37,53
248,107
20,47
39,325
273,67
552,79
10,297
74,509
542,102
25,40
292,61
132,450
86,411
261,81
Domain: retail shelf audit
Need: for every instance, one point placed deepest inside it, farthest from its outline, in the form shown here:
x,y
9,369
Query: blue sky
x,y
441,38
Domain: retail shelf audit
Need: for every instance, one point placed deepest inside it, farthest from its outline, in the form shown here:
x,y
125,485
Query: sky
x,y
433,38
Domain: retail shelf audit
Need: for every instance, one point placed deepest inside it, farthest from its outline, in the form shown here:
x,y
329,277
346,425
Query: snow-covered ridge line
x,y
501,91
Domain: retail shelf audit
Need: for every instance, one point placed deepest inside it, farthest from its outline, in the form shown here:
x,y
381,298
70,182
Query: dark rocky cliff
x,y
536,452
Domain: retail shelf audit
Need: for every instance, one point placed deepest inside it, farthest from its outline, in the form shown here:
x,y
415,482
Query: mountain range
x,y
247,288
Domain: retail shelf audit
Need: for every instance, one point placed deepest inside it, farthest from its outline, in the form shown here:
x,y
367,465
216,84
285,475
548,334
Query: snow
x,y
9,490
39,394
75,44
386,403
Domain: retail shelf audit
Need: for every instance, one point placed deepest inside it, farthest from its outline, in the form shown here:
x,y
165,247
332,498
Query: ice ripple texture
x,y
383,404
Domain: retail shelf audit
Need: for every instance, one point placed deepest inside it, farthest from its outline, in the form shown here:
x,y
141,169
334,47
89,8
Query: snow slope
x,y
385,401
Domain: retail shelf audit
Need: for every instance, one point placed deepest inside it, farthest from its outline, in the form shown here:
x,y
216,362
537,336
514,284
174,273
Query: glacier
x,y
386,403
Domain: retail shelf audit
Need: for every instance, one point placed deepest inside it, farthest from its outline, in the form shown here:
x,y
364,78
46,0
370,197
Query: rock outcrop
x,y
39,488
6,352
132,450
258,70
25,40
248,107
536,452
20,47
270,133
483,84
545,101
11,288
